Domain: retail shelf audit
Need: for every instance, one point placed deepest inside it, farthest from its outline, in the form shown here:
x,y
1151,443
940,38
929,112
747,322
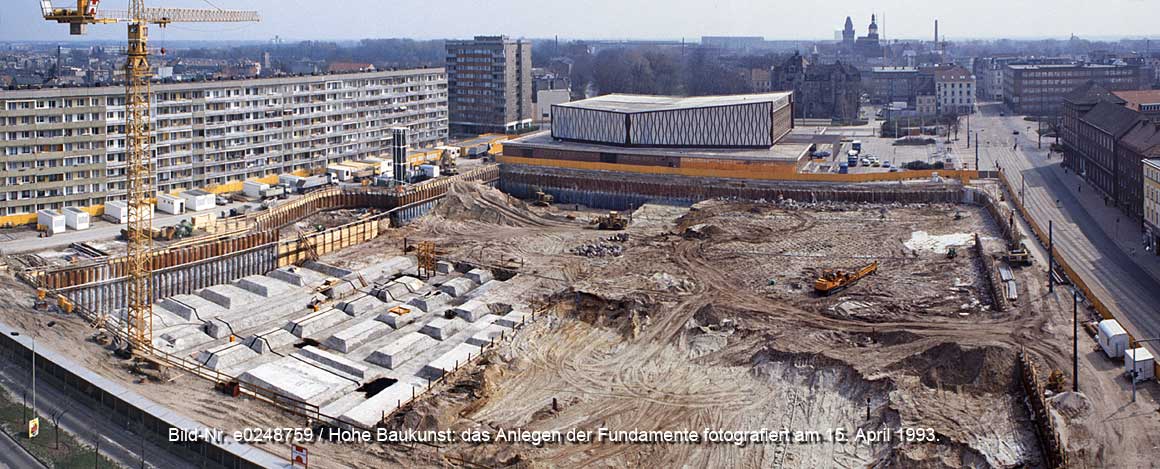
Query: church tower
x,y
848,33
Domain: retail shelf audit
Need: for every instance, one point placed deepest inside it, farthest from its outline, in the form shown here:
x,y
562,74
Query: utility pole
x,y
1074,340
1040,121
1050,256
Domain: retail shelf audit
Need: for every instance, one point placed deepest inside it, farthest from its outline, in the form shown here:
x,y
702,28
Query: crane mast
x,y
138,323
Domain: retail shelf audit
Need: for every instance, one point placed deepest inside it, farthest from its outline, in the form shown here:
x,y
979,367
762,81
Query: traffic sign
x,y
34,427
299,456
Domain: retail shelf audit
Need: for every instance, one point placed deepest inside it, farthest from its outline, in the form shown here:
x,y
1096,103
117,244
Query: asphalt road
x,y
14,456
1125,280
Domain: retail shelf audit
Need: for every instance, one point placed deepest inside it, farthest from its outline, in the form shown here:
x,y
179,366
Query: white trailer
x,y
1113,338
197,200
76,218
341,173
117,211
254,189
50,221
1139,359
171,204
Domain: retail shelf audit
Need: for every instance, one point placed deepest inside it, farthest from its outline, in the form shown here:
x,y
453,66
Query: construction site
x,y
455,305
658,273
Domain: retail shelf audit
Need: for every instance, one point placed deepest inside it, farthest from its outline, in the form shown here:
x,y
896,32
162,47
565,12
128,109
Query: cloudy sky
x,y
618,19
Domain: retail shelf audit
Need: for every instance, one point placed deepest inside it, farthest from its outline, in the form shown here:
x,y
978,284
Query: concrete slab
x,y
480,276
228,296
405,348
179,338
401,288
266,341
471,311
352,337
262,285
486,335
314,322
444,267
457,287
430,301
299,380
513,319
226,355
442,328
337,362
449,361
342,289
396,320
370,412
191,307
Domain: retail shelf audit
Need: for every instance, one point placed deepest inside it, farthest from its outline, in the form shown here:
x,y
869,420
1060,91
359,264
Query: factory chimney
x,y
936,31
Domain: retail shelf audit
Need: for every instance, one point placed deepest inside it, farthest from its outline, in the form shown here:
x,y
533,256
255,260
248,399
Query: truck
x,y
304,184
852,158
856,145
844,168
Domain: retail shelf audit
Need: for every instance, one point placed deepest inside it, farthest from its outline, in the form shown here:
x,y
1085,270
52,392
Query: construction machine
x,y
612,221
447,164
138,127
952,252
835,280
543,199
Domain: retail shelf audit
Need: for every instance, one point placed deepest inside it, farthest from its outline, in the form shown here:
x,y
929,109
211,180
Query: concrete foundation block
x,y
178,338
327,269
227,296
351,338
337,362
459,356
457,287
480,276
444,267
442,328
486,335
390,268
262,285
471,311
405,348
315,322
291,275
266,341
191,307
396,320
298,380
430,301
368,413
226,355
513,319
360,306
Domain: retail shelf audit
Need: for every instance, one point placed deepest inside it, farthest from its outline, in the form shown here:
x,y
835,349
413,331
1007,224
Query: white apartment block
x,y
66,146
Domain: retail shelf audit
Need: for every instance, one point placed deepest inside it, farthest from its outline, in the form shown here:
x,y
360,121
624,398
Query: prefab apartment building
x,y
66,146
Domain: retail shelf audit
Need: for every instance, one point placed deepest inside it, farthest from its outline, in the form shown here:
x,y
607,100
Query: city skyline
x,y
606,19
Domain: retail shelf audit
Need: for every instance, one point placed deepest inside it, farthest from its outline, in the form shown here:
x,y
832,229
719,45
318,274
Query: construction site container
x,y
50,221
197,200
254,189
340,172
430,170
171,204
117,211
76,218
1113,338
1139,359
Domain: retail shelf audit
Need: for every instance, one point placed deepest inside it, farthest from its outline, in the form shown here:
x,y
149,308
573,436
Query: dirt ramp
x,y
472,201
979,369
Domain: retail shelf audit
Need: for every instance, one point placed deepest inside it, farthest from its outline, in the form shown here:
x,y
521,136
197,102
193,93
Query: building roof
x,y
196,192
953,73
1139,97
1143,138
1114,119
1091,93
633,103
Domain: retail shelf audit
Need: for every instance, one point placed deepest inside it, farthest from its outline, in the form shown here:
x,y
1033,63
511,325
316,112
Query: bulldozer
x,y
612,221
543,199
834,280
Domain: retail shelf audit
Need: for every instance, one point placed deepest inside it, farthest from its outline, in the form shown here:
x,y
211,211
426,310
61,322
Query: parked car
x,y
1002,114
894,170
221,200
1015,132
875,164
821,154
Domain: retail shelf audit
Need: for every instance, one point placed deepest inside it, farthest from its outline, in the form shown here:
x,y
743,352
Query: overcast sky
x,y
619,19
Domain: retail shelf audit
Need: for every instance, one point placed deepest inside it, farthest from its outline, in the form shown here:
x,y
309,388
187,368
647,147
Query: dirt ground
x,y
707,319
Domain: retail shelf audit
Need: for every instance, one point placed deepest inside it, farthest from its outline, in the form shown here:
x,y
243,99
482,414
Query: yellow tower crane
x,y
139,169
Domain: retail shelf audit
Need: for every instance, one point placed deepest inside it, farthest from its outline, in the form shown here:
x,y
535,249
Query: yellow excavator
x,y
835,280
613,221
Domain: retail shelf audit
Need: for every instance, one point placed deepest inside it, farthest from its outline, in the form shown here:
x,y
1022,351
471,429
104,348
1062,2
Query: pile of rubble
x,y
598,249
